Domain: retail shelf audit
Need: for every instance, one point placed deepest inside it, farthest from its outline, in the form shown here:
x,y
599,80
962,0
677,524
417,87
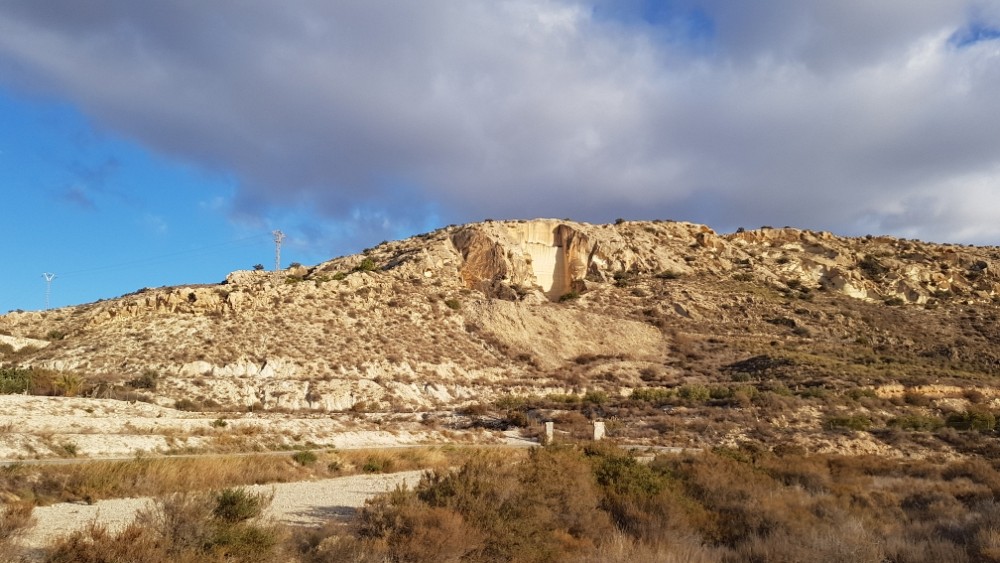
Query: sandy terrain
x,y
59,427
301,504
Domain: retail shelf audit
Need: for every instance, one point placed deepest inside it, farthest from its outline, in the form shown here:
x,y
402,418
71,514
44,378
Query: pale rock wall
x,y
549,254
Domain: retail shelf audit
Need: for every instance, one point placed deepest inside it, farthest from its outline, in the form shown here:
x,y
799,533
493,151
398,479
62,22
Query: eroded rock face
x,y
551,256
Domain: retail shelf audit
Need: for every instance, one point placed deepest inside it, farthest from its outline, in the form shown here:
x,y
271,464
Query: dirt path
x,y
302,503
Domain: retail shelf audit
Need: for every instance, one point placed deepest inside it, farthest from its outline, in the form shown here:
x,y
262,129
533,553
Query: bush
x,y
872,268
15,518
148,380
595,397
917,422
366,265
976,418
304,457
658,396
376,464
237,505
453,304
15,380
189,527
69,385
856,422
694,393
186,405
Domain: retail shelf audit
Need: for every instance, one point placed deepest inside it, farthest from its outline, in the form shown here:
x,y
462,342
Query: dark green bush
x,y
856,422
15,380
366,265
237,505
304,457
975,418
917,422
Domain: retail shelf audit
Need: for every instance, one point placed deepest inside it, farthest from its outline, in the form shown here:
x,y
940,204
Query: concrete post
x,y
549,430
598,430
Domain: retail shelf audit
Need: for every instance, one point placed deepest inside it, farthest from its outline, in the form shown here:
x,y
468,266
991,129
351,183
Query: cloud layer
x,y
854,116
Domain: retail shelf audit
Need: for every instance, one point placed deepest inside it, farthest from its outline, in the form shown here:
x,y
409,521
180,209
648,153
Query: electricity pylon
x,y
278,237
48,287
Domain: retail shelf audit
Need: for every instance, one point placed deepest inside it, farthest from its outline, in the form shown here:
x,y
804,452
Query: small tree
x,y
258,267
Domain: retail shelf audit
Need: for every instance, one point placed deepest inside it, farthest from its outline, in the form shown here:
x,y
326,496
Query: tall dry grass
x,y
92,481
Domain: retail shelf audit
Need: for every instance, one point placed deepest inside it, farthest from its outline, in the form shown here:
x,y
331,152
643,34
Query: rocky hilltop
x,y
472,312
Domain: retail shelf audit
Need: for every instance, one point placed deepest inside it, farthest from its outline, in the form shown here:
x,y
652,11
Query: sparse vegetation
x,y
743,349
223,526
304,457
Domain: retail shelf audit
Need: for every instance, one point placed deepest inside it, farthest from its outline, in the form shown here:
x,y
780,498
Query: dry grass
x,y
15,518
92,481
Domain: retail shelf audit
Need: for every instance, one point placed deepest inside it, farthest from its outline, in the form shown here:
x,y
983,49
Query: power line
x,y
208,249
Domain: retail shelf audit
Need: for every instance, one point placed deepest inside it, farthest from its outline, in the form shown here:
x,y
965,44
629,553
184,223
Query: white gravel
x,y
304,503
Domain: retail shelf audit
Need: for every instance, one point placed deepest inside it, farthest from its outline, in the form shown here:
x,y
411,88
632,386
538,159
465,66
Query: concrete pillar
x,y
549,430
598,430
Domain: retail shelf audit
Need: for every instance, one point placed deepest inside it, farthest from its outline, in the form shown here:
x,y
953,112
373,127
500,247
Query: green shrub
x,y
976,418
856,422
694,393
15,380
238,504
453,304
917,422
375,464
70,384
304,457
655,395
366,265
572,295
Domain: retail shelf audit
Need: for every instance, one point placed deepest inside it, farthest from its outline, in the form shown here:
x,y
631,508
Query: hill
x,y
645,323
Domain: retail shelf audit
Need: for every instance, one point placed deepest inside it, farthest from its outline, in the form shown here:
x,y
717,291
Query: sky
x,y
145,144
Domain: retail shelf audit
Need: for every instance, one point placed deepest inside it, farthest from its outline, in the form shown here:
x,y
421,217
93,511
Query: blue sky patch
x,y
975,32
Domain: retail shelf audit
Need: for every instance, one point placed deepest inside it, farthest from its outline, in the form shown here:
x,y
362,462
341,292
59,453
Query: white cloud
x,y
839,115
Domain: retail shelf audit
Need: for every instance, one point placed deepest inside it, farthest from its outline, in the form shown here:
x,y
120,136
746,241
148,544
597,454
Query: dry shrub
x,y
185,527
15,518
490,509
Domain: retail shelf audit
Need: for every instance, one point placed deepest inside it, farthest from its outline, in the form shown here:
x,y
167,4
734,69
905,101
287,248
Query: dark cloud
x,y
850,116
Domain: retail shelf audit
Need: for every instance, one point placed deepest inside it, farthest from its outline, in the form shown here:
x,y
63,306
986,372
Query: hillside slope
x,y
469,313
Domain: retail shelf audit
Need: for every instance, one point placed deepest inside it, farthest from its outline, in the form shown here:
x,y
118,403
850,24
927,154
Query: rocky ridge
x,y
487,309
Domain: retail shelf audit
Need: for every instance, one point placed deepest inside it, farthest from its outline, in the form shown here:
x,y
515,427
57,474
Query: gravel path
x,y
302,503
